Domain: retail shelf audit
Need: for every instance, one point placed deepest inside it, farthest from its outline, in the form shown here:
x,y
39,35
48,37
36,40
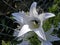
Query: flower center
x,y
34,24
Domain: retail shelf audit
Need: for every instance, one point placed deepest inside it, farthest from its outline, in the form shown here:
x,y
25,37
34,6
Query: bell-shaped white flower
x,y
32,21
45,43
49,38
24,43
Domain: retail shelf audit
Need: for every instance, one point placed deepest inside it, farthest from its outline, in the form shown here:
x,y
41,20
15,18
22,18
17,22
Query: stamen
x,y
35,24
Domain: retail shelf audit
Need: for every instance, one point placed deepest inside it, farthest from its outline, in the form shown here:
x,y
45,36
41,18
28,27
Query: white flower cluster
x,y
33,22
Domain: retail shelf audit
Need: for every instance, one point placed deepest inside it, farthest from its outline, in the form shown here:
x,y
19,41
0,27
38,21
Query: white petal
x,y
48,15
24,43
15,33
24,30
33,11
52,38
51,30
45,16
18,17
40,33
46,43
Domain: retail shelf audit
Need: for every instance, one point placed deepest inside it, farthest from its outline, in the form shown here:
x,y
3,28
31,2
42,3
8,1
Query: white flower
x,y
24,43
32,22
49,38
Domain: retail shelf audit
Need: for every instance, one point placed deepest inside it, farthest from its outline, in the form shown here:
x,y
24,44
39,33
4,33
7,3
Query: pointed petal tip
x,y
49,15
52,14
14,14
40,34
24,30
33,4
45,16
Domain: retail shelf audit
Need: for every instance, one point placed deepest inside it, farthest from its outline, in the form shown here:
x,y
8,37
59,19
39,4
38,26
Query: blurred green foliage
x,y
4,43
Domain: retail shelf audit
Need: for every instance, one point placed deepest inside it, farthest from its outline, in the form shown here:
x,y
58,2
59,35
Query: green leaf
x,y
6,43
53,8
3,43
